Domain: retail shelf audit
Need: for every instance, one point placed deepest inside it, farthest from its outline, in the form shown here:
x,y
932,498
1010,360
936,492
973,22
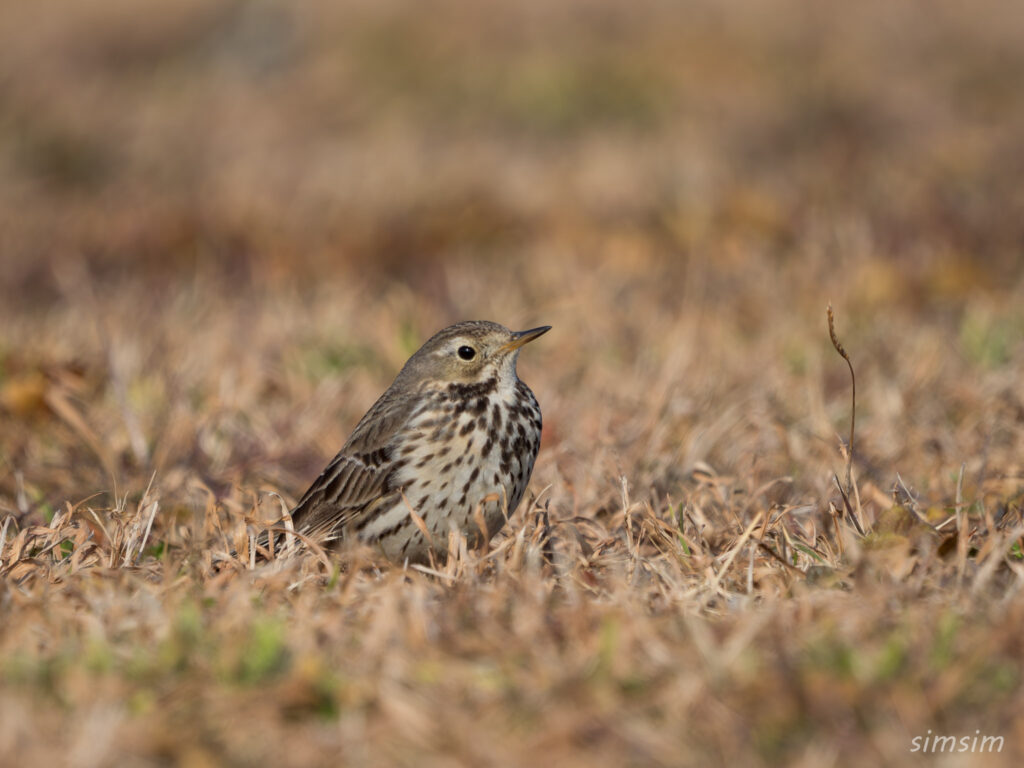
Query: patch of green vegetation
x,y
943,649
265,654
795,356
429,671
807,551
326,689
157,550
1002,676
780,734
990,682
18,667
825,577
831,655
490,678
892,659
146,393
99,656
185,638
40,672
142,701
987,339
684,546
408,338
882,540
634,685
322,360
608,645
47,510
335,577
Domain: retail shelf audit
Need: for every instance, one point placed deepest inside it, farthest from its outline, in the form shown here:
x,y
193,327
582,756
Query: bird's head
x,y
469,353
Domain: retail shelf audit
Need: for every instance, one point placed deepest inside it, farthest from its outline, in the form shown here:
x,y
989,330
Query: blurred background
x,y
224,226
250,213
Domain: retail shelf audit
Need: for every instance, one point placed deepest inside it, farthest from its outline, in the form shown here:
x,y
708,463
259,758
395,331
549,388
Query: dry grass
x,y
225,228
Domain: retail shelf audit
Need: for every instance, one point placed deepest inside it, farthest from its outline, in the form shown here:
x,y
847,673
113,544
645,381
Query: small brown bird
x,y
453,439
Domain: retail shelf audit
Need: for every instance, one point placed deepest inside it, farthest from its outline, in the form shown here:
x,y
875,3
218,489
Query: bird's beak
x,y
519,338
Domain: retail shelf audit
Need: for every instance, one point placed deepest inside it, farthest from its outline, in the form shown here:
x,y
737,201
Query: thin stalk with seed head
x,y
853,396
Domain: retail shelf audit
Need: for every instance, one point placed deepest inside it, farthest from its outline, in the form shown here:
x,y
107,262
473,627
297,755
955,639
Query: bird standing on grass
x,y
449,445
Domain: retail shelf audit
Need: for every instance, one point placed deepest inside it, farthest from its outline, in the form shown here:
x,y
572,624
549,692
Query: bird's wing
x,y
383,421
343,490
359,475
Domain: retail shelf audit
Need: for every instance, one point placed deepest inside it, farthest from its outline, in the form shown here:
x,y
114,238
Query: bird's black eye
x,y
467,353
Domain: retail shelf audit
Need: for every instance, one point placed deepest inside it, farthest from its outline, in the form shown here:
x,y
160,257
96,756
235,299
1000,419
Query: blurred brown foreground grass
x,y
223,228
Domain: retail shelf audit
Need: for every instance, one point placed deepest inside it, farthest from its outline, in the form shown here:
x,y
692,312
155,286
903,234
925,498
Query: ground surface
x,y
223,228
